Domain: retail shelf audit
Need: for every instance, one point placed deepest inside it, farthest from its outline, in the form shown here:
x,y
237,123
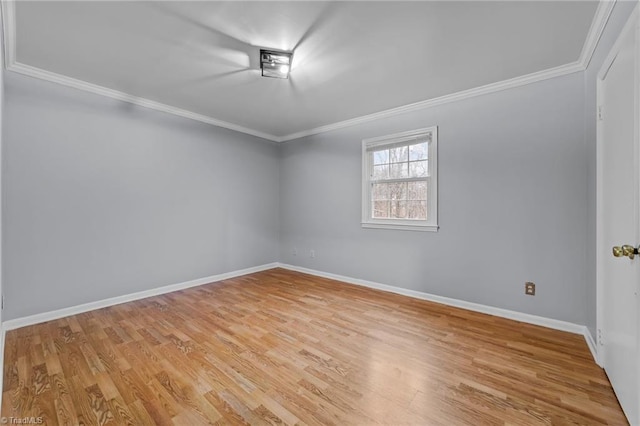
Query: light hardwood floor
x,y
282,347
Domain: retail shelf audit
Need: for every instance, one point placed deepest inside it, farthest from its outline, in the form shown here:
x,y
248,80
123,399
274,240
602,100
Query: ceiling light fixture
x,y
275,64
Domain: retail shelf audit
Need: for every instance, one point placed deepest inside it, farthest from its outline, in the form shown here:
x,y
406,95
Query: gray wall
x,y
103,198
512,197
618,18
1,143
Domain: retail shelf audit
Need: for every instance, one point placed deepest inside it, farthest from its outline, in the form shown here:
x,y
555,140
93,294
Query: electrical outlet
x,y
312,254
529,289
294,251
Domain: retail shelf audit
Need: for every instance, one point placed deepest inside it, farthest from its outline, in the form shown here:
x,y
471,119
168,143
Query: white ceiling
x,y
351,58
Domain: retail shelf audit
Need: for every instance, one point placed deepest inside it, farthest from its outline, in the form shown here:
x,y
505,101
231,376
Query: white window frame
x,y
431,223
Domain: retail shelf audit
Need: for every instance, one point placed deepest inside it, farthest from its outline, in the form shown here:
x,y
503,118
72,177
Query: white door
x,y
619,220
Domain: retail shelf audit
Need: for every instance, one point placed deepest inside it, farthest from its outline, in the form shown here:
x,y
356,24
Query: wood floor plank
x,y
285,348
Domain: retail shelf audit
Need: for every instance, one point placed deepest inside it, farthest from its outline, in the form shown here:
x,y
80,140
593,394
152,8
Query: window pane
x,y
418,152
380,209
399,154
381,172
399,170
380,191
399,178
398,191
398,209
417,191
417,210
418,168
381,157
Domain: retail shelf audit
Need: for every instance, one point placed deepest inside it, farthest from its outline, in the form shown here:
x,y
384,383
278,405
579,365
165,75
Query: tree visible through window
x,y
399,180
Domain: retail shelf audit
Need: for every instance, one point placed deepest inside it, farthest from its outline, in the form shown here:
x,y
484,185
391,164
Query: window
x,y
399,181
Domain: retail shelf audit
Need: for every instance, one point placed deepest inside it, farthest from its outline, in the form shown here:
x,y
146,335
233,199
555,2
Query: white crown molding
x,y
121,96
458,96
9,31
600,19
615,49
78,309
11,63
595,32
598,24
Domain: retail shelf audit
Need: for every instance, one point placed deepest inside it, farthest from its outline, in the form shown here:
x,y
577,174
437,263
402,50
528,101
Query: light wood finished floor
x,y
280,347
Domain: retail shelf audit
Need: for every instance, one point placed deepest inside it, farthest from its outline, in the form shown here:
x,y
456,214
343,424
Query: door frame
x,y
632,24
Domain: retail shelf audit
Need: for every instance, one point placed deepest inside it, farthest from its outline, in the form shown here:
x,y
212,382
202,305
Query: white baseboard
x,y
73,310
3,333
476,307
485,309
592,345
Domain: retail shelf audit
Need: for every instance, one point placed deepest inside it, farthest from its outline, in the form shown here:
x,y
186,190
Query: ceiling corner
x,y
595,31
8,9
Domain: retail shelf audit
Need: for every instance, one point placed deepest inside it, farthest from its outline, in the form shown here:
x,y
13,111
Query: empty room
x,y
320,213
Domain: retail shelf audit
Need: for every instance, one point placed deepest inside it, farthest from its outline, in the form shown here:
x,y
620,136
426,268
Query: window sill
x,y
401,226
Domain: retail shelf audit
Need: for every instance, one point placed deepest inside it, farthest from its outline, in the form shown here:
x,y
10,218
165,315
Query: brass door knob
x,y
625,250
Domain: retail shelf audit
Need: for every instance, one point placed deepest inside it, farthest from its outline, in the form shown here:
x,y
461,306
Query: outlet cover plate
x,y
529,289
